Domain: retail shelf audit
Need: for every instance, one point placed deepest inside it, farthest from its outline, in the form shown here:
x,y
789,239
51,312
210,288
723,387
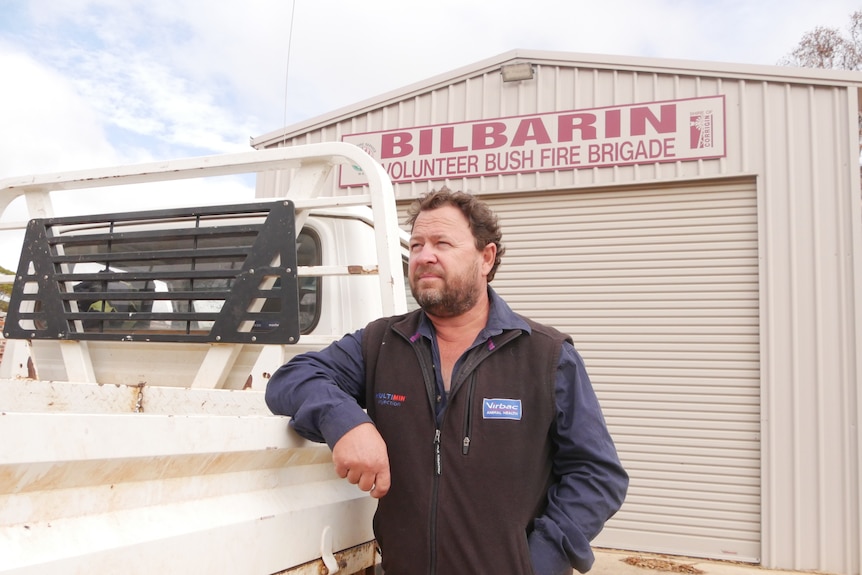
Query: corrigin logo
x,y
701,130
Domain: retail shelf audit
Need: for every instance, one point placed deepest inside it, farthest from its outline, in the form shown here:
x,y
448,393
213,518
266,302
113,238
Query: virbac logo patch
x,y
501,409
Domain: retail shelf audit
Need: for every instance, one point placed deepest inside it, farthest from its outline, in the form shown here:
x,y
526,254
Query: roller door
x,y
659,289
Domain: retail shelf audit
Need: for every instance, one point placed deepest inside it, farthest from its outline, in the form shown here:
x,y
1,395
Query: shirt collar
x,y
500,318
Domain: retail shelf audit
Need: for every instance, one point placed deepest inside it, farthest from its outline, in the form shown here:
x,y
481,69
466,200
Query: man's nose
x,y
426,254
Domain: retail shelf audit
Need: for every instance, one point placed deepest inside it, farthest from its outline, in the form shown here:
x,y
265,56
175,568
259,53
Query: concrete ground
x,y
612,562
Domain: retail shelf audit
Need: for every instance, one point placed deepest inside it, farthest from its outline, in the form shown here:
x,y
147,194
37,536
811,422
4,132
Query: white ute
x,y
135,438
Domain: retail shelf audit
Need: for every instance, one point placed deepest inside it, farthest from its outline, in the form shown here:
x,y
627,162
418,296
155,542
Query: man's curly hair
x,y
483,221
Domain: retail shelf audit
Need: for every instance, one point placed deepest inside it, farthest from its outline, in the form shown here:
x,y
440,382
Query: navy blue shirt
x,y
324,393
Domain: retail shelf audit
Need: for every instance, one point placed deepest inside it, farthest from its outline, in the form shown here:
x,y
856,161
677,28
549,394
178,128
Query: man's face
x,y
447,273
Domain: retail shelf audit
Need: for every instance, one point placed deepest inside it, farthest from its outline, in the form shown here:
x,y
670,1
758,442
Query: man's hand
x,y
361,456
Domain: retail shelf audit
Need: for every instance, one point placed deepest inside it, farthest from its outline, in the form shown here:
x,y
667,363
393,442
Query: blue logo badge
x,y
390,399
501,409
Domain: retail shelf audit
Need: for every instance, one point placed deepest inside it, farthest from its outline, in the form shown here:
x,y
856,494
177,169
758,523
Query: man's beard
x,y
456,296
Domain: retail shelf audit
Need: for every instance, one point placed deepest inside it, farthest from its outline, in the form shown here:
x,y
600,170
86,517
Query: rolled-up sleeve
x,y
322,391
592,482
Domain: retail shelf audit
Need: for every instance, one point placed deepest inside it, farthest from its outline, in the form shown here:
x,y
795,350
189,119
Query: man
x,y
483,438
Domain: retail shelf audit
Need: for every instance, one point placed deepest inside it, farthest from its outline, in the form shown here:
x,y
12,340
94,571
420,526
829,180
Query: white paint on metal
x,y
326,551
151,470
311,166
77,361
103,493
202,365
270,357
216,365
16,355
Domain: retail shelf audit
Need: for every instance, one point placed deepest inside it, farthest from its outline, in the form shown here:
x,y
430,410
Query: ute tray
x,y
223,274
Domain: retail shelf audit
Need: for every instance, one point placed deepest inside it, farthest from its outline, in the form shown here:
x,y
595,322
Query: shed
x,y
696,227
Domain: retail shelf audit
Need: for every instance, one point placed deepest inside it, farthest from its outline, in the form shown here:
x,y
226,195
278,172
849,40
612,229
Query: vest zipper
x,y
468,417
438,458
438,470
429,375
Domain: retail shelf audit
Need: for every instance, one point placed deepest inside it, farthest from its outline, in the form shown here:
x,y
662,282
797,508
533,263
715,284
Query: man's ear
x,y
489,254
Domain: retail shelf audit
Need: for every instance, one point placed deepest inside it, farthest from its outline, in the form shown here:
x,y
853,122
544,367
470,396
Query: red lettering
x,y
447,141
665,125
629,151
609,124
613,128
489,135
395,145
426,141
568,123
531,129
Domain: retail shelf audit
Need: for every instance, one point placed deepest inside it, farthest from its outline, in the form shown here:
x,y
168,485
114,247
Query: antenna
x,y
287,70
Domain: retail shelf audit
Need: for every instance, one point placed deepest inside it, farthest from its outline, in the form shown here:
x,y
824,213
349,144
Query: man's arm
x,y
324,393
592,484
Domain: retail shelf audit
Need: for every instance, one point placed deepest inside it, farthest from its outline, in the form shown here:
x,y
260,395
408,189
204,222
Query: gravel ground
x,y
612,562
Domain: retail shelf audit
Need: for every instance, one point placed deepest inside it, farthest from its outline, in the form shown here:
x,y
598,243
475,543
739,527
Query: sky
x,y
95,83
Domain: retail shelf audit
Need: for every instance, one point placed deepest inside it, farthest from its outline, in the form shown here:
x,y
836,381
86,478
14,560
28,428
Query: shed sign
x,y
646,133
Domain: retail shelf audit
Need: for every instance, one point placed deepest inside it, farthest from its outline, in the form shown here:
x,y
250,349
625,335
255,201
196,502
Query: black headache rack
x,y
223,274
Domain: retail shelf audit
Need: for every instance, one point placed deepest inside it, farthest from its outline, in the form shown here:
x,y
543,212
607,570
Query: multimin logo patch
x,y
390,399
501,409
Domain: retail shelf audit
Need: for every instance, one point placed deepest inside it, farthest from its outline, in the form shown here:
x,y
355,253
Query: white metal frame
x,y
102,479
311,165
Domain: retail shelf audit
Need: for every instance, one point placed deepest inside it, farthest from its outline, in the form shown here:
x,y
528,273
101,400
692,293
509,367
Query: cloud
x,y
76,108
43,112
91,83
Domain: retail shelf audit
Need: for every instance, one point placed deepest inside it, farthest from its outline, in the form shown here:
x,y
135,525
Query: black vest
x,y
463,495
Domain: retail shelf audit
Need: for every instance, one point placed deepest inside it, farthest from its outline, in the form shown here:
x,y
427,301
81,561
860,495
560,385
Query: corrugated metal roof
x,y
550,58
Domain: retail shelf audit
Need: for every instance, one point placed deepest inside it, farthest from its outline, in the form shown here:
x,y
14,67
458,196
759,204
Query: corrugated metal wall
x,y
809,200
659,290
796,138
